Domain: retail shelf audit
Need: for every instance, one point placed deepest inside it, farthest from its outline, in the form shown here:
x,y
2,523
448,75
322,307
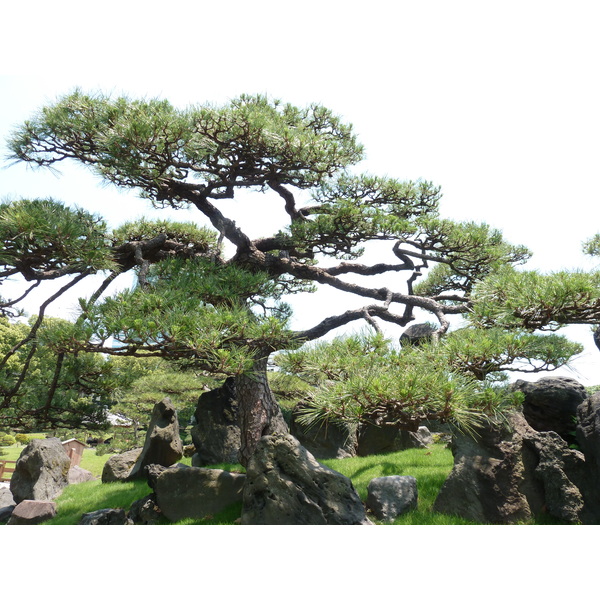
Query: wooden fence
x,y
7,468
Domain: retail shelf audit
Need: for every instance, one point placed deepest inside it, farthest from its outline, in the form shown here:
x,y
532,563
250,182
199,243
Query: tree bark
x,y
259,413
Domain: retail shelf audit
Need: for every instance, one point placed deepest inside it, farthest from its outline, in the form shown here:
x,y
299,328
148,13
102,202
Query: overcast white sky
x,y
497,103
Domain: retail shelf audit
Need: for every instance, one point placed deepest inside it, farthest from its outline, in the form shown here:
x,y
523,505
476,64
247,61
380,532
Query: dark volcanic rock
x,y
551,404
216,434
285,485
163,445
511,473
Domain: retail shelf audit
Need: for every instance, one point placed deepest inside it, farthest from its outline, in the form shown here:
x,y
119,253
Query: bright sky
x,y
497,103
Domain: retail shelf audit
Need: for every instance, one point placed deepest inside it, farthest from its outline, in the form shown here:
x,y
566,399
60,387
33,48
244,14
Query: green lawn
x,y
429,466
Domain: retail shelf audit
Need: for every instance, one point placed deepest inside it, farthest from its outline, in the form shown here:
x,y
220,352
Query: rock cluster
x,y
510,472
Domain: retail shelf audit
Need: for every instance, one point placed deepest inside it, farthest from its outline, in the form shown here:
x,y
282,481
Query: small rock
x,y
32,512
106,516
390,497
79,475
145,511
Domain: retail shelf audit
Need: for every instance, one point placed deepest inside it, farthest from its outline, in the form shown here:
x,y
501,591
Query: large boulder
x,y
391,496
323,440
509,472
216,433
119,466
191,492
41,472
163,445
285,485
32,512
551,403
383,439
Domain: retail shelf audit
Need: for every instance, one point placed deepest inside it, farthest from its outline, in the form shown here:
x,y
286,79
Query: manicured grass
x,y
93,463
93,495
430,467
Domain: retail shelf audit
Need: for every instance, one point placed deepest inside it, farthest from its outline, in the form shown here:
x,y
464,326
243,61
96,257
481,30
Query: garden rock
x,y
192,492
417,334
106,516
324,440
216,433
32,512
6,497
511,473
145,511
79,475
588,438
286,485
382,439
41,472
389,497
7,504
6,512
551,404
163,445
119,466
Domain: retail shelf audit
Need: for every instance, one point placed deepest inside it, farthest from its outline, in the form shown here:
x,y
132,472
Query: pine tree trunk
x,y
259,413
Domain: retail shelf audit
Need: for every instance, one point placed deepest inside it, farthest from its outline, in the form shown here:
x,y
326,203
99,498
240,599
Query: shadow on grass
x,y
90,496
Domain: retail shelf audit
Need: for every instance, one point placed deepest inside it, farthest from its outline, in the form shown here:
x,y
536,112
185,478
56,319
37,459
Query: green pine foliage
x,y
364,379
43,239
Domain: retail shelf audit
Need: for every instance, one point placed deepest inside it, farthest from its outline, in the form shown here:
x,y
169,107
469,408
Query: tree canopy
x,y
214,296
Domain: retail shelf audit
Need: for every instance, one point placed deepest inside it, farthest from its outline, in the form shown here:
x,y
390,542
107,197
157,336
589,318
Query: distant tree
x,y
41,389
220,309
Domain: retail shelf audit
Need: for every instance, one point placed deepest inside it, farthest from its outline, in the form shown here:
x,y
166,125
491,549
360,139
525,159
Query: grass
x,y
429,466
94,495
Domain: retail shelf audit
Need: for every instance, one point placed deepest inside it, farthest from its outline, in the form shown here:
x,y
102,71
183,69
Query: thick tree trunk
x,y
259,413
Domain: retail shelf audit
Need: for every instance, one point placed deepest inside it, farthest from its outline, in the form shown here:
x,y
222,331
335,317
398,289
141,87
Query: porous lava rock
x,y
163,444
286,485
508,472
550,404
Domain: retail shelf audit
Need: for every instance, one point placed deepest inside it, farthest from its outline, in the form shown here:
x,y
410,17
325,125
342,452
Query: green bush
x,y
102,449
7,440
21,438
